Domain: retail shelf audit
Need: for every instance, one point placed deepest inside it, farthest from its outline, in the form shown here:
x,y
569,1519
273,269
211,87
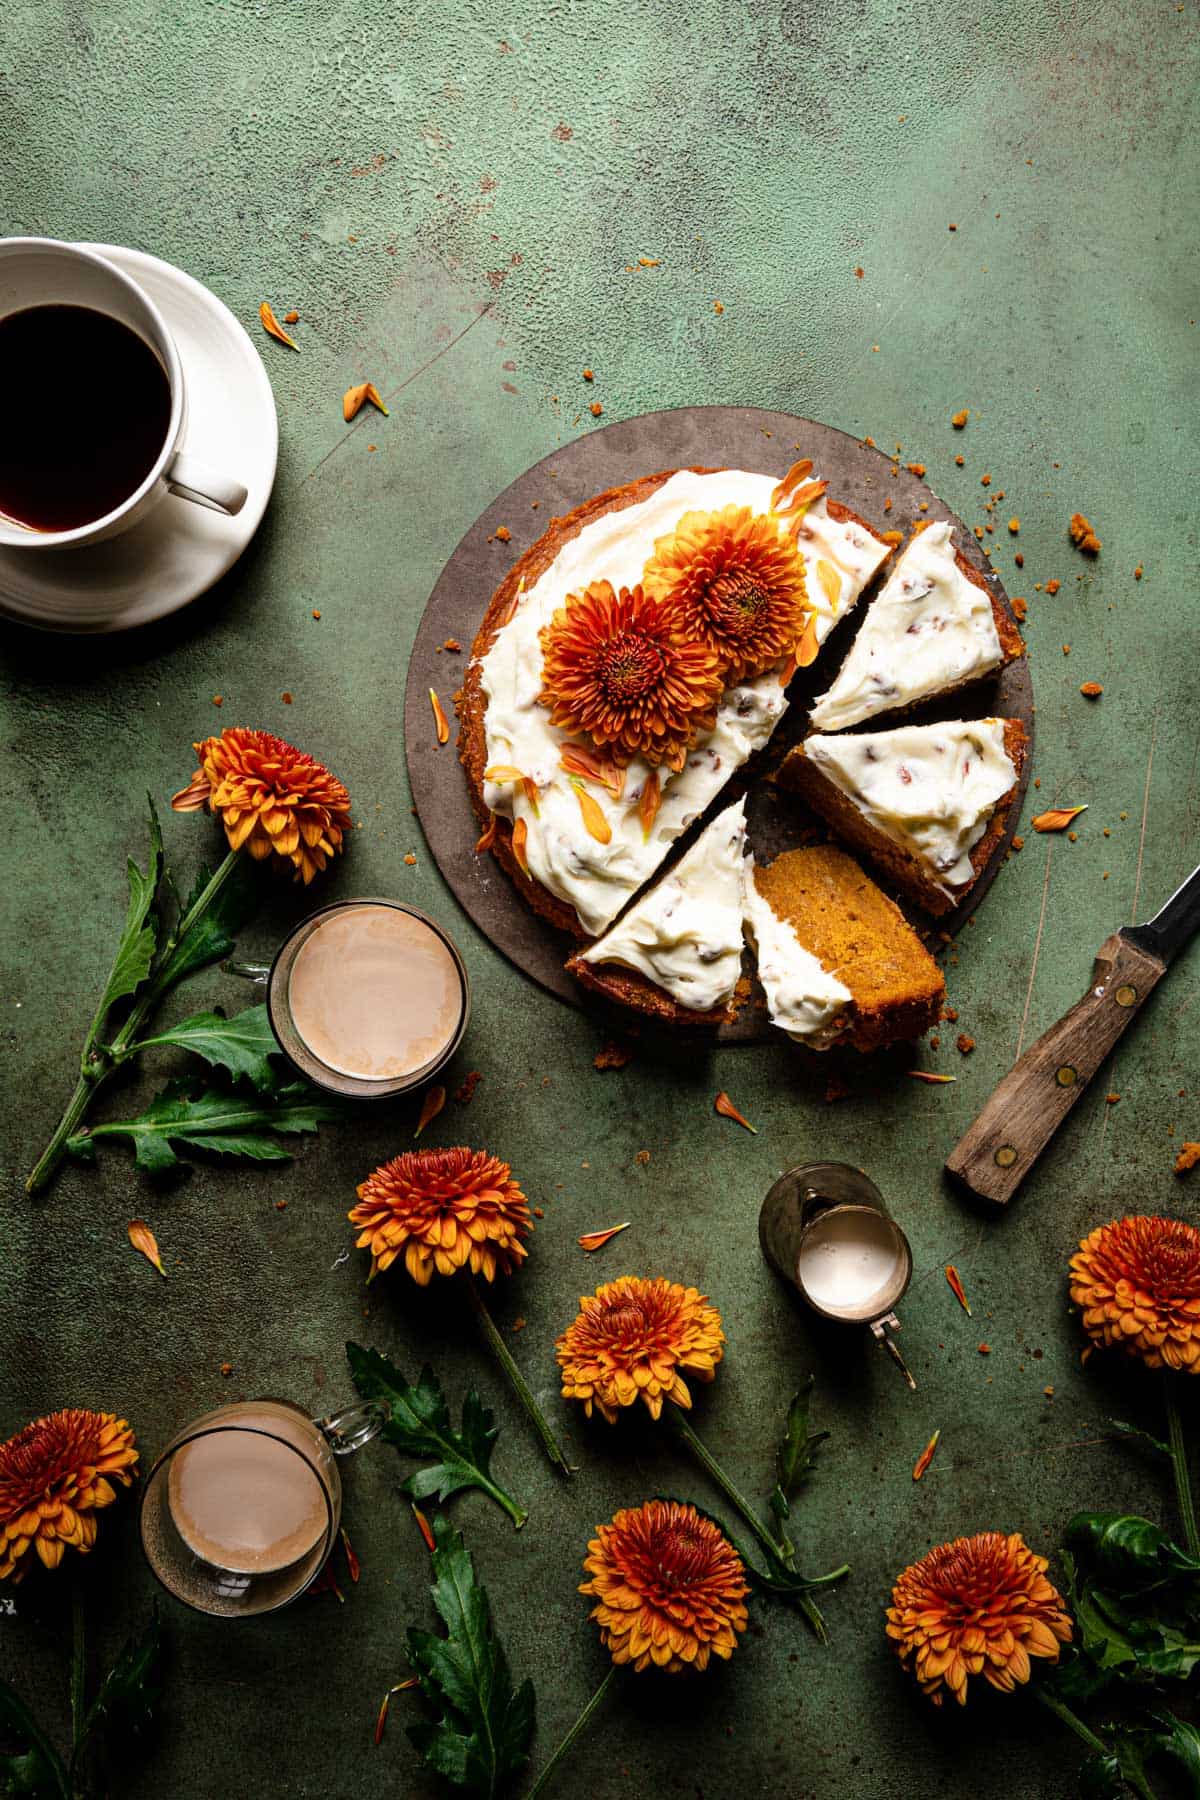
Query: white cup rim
x,y
21,538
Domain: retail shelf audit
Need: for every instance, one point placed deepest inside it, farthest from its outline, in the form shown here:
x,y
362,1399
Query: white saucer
x,y
181,549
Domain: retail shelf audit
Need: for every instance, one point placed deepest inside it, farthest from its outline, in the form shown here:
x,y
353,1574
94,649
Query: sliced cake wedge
x,y
676,953
837,959
934,627
928,803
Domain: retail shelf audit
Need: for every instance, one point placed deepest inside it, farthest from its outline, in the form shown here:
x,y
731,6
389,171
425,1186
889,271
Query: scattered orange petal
x,y
651,800
439,718
799,471
520,834
352,1562
503,772
401,1687
510,611
355,398
928,1075
957,1289
830,581
926,1457
425,1529
806,649
488,838
431,1106
594,821
724,1105
273,328
648,262
1058,818
596,1240
531,794
143,1239
590,765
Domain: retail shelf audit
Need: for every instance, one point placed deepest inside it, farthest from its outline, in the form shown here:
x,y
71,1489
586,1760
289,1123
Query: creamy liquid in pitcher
x,y
374,993
848,1260
248,1503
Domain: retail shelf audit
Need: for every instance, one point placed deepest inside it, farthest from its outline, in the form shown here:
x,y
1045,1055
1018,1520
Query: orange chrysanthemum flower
x,y
737,584
1138,1283
273,800
619,668
979,1606
54,1476
444,1210
669,1588
635,1339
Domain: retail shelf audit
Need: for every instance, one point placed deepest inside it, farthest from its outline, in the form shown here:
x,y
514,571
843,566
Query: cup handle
x,y
258,973
191,480
354,1426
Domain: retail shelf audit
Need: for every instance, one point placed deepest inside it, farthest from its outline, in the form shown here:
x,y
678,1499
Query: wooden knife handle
x,y
1034,1098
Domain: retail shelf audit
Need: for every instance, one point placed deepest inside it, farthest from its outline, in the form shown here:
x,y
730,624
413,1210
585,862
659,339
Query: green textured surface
x,y
450,195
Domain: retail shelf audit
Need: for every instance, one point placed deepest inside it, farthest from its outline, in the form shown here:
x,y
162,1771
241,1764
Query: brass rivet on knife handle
x,y
1000,1148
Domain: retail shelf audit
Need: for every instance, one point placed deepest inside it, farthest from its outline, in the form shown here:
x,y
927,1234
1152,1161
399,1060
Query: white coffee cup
x,y
44,272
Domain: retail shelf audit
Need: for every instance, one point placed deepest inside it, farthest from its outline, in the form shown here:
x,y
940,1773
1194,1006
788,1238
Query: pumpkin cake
x,y
927,803
702,589
676,953
934,627
838,960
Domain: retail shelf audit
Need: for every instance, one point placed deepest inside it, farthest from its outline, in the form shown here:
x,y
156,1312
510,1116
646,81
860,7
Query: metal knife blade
x,y
1169,930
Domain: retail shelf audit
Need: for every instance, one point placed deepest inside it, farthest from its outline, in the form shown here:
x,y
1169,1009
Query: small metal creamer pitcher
x,y
825,1228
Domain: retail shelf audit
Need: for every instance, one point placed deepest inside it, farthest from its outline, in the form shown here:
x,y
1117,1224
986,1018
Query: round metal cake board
x,y
736,437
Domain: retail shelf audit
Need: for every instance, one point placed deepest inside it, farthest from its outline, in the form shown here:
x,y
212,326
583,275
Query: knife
x,y
1000,1148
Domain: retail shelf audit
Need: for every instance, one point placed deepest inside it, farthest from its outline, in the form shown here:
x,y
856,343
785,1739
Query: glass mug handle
x,y
258,973
354,1426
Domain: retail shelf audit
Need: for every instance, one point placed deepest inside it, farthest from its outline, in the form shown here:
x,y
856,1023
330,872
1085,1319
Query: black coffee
x,y
84,410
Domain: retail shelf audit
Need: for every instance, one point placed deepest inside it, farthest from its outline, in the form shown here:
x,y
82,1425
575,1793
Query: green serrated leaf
x,y
132,1688
1128,1550
37,1769
419,1425
486,1728
1136,1600
139,935
211,936
242,1045
214,1120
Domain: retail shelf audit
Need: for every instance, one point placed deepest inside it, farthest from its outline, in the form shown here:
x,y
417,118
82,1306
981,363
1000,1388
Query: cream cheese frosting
x,y
931,789
685,933
598,879
929,629
804,998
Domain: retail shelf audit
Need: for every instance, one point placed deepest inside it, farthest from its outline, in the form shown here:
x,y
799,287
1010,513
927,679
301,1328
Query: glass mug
x,y
367,998
826,1229
241,1509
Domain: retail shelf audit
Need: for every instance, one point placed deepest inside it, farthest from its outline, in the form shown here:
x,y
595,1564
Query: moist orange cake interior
x,y
851,927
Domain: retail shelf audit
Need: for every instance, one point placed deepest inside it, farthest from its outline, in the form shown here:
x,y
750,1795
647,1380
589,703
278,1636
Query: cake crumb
x,y
950,1012
892,537
410,859
466,1093
316,614
291,318
985,481
1019,560
1018,843
887,505
1083,536
1020,606
502,534
965,1044
452,644
519,1324
612,1055
960,418
538,1212
1091,690
935,1042
286,697
642,1157
589,375
915,468
1066,649
1188,1158
836,1089
595,409
281,1206
960,460
1111,1099
227,1368
1014,525
859,273
1049,1392
1138,572
1053,586
717,307
985,1349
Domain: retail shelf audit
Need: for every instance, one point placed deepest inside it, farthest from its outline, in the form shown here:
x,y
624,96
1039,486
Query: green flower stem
x,y
1179,1463
547,1774
518,1382
782,1555
78,1681
1074,1723
101,1061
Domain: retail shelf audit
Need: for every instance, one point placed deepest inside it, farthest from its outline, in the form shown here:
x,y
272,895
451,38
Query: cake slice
x,y
676,954
934,627
837,959
928,803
